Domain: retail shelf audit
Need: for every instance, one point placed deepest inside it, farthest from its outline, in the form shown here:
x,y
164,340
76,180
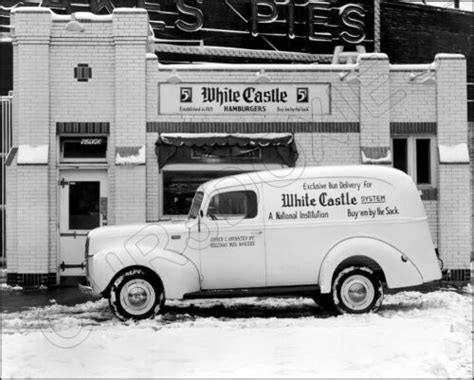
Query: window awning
x,y
226,148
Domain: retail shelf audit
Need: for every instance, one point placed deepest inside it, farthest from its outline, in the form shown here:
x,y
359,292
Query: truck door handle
x,y
256,232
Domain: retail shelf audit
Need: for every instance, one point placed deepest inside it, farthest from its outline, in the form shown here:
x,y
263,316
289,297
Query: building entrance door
x,y
82,207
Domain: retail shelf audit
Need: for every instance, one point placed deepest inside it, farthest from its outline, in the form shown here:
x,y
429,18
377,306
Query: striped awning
x,y
226,147
83,128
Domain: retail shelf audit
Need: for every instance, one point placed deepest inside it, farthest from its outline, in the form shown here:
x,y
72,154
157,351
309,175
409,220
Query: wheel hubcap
x,y
357,292
137,296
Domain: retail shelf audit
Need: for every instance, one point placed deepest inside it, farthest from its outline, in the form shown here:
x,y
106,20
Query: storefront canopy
x,y
226,148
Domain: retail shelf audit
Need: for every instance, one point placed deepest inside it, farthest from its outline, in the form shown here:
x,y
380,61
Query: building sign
x,y
284,25
303,26
240,99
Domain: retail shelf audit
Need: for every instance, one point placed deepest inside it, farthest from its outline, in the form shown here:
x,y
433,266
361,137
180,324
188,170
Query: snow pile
x,y
453,154
9,287
414,335
131,159
32,154
387,159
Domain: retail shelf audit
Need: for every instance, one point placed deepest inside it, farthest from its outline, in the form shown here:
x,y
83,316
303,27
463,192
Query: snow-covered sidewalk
x,y
414,335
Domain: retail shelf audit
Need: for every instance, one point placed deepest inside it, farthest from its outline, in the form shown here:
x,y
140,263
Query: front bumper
x,y
86,289
85,286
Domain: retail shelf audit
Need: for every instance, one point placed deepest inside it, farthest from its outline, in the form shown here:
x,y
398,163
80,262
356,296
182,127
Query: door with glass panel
x,y
83,207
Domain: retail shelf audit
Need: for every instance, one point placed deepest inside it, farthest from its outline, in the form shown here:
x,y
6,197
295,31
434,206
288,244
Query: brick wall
x,y
431,208
415,33
411,102
471,155
327,149
129,194
412,33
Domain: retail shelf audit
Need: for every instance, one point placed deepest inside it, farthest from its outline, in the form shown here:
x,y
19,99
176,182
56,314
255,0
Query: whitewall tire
x,y
357,290
136,295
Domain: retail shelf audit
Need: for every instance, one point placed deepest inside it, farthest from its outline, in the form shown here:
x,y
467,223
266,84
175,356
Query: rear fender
x,y
398,270
177,273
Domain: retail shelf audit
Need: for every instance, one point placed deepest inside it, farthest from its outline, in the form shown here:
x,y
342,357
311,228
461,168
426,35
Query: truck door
x,y
233,250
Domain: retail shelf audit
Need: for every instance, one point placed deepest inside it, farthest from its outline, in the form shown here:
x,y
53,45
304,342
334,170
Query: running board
x,y
299,290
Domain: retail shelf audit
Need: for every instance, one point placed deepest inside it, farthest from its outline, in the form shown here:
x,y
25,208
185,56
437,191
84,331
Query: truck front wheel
x,y
136,295
357,290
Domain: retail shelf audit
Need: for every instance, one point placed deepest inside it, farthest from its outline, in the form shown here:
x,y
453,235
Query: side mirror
x,y
201,213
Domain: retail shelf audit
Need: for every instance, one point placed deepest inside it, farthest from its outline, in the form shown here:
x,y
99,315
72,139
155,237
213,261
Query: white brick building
x,y
88,92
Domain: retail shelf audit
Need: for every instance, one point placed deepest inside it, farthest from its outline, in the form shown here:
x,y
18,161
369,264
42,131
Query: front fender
x,y
397,272
178,274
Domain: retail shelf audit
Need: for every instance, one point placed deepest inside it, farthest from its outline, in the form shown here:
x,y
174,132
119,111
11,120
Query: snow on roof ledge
x,y
376,155
269,136
449,56
31,10
32,154
376,56
453,154
130,155
130,10
81,16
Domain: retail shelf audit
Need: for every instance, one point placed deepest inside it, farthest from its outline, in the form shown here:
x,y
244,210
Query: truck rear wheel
x,y
136,295
357,290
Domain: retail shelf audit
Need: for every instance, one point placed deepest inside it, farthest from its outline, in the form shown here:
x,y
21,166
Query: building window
x,y
84,205
414,155
86,148
233,205
179,188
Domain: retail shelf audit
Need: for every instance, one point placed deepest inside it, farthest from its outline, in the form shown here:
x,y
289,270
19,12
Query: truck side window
x,y
233,205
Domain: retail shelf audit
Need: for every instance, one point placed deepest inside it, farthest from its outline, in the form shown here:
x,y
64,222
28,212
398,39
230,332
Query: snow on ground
x,y
413,335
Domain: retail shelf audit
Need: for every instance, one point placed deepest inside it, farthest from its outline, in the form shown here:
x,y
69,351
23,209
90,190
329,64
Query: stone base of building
x,y
457,275
31,279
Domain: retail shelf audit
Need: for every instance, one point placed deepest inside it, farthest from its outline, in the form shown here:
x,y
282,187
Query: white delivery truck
x,y
336,234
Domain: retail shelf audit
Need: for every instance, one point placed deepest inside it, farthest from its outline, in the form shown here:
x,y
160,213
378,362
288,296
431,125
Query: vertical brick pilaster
x,y
130,193
152,179
12,218
27,219
152,79
374,75
130,32
454,207
152,175
31,38
28,223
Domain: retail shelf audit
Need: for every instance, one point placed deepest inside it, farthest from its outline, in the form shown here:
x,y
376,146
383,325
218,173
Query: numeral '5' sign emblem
x,y
186,95
302,95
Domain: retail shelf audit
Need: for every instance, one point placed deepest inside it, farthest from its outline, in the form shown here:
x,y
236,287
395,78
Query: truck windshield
x,y
196,205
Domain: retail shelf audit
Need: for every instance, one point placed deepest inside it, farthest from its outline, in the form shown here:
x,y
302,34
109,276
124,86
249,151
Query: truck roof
x,y
387,174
